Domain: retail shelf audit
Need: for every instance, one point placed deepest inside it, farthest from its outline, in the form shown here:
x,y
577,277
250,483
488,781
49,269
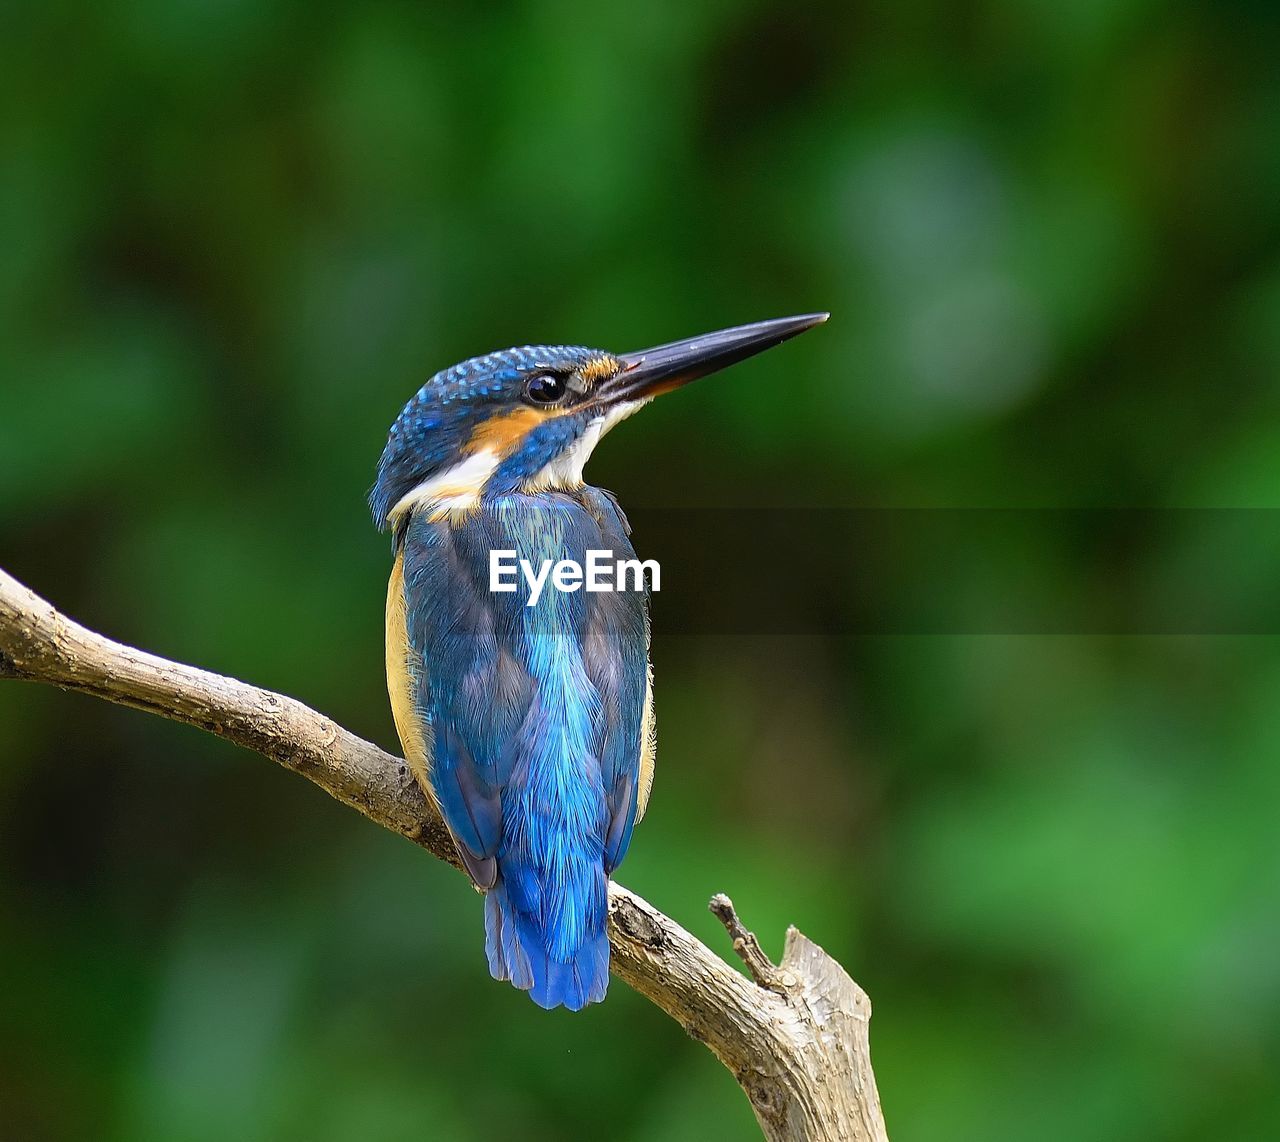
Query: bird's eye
x,y
545,388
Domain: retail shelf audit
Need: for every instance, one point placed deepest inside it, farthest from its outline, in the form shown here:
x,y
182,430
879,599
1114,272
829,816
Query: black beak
x,y
666,367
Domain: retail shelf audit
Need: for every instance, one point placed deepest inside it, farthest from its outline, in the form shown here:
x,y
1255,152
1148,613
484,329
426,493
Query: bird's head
x,y
527,419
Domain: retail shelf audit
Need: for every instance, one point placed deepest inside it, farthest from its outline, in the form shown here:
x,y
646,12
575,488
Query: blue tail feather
x,y
519,946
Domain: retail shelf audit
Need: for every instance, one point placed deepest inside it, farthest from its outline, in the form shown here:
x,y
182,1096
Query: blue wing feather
x,y
536,713
616,653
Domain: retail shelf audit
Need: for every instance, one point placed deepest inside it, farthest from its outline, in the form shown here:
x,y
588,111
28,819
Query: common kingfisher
x,y
530,727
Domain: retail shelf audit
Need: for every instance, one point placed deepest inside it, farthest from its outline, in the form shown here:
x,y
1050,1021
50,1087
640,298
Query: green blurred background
x,y
237,234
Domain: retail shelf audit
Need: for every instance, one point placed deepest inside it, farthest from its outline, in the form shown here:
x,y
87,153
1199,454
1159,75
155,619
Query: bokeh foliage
x,y
236,235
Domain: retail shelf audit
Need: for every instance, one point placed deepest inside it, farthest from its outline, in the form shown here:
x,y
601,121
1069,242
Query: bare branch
x,y
795,1039
762,968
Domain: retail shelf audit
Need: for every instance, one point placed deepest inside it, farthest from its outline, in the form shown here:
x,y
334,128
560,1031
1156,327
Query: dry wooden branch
x,y
796,1038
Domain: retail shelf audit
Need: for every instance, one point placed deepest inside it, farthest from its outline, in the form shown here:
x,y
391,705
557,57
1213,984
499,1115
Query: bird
x,y
529,727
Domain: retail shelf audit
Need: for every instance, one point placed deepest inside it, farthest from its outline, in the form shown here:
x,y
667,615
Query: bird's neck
x,y
561,470
550,459
457,488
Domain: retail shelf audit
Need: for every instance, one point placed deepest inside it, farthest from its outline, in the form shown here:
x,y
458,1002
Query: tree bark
x,y
794,1035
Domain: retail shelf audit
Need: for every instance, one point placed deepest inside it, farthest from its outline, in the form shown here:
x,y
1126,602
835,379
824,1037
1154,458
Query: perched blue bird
x,y
531,727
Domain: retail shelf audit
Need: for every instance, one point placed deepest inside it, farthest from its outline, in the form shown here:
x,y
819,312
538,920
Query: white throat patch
x,y
564,473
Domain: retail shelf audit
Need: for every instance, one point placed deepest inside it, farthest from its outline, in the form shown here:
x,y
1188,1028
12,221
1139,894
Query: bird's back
x,y
528,722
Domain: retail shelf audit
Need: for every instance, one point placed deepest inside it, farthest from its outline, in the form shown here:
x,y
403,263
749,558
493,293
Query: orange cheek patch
x,y
502,434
